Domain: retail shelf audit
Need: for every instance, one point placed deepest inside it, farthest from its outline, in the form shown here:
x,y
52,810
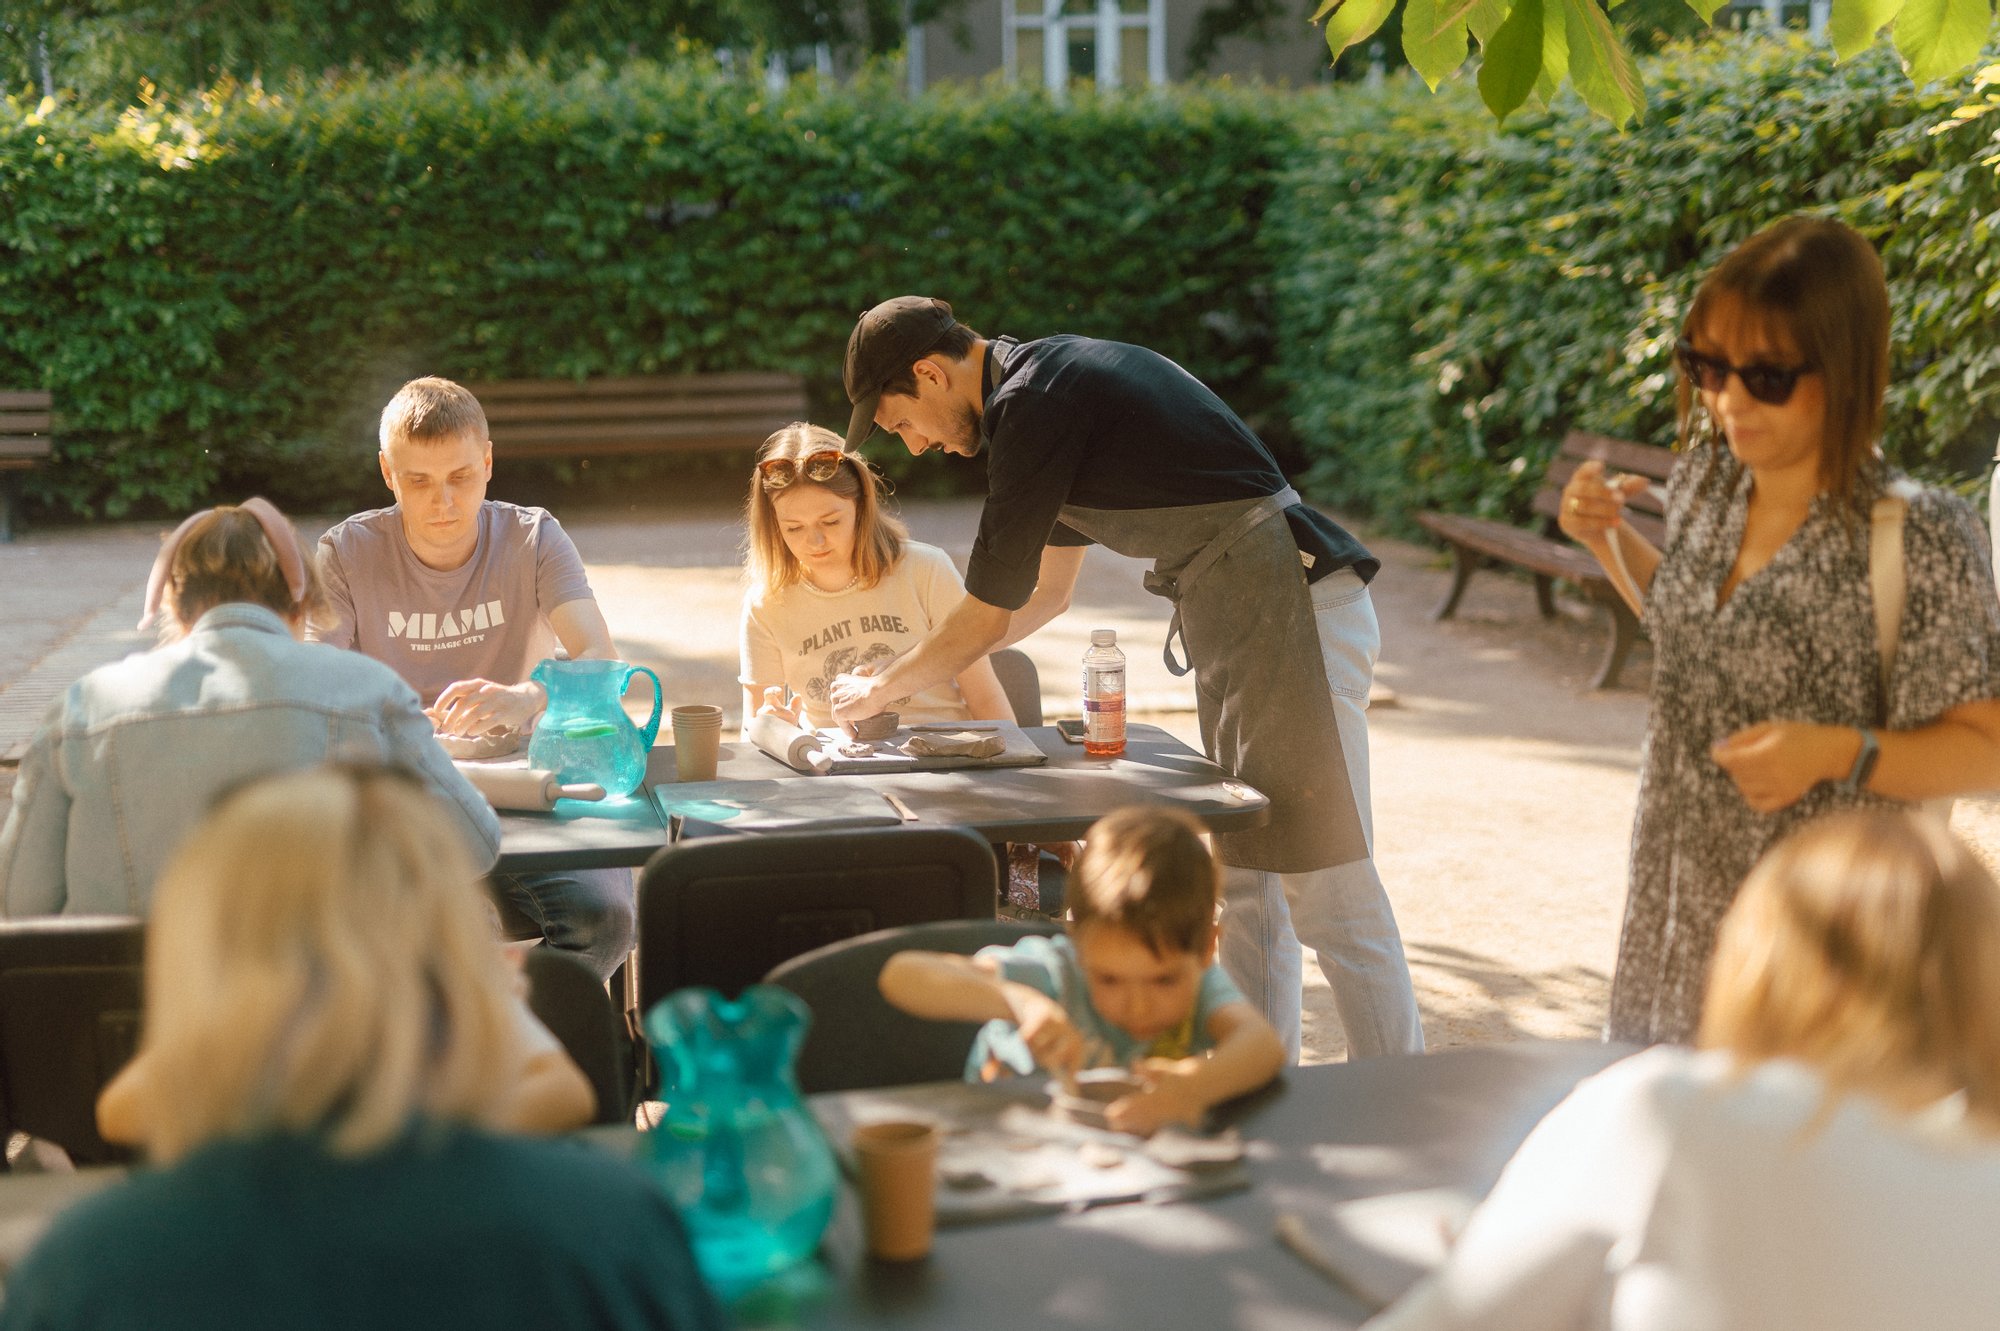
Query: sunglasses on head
x,y
777,473
1769,384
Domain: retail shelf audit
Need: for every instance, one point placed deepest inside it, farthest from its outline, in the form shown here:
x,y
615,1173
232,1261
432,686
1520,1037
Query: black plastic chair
x,y
565,995
69,1020
722,911
1021,682
857,1039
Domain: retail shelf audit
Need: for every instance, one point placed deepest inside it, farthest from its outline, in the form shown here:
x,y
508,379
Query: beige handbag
x,y
1888,581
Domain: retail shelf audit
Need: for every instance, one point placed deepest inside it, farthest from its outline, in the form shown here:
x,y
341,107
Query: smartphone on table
x,y
1071,729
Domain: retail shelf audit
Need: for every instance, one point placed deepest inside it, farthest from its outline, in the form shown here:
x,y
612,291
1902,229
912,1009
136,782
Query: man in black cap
x,y
1091,441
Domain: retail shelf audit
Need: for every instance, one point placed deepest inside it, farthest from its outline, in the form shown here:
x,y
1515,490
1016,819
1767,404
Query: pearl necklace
x,y
852,583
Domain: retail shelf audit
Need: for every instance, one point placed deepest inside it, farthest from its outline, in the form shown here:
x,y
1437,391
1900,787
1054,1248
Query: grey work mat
x,y
1003,1156
889,754
771,806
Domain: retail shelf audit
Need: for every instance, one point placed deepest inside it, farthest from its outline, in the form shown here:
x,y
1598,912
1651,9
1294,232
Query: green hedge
x,y
221,295
1452,298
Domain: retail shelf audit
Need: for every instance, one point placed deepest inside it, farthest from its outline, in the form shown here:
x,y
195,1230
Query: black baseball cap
x,y
885,342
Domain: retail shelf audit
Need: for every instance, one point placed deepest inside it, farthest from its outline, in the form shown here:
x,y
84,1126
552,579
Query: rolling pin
x,y
531,789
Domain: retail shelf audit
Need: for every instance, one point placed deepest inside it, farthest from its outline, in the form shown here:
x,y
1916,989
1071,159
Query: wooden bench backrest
x,y
26,428
647,413
1646,511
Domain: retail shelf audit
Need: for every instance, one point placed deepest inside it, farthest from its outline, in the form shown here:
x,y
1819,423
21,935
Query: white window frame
x,y
1111,23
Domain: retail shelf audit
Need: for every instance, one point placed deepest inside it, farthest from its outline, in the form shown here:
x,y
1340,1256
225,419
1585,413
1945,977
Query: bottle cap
x,y
1104,637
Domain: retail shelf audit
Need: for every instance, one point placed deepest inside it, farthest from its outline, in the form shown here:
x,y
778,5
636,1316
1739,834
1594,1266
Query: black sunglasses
x,y
777,473
1769,384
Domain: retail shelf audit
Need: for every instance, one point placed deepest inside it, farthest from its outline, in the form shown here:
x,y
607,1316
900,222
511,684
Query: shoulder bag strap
x,y
1886,577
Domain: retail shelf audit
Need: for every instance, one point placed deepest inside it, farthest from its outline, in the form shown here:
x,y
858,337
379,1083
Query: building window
x,y
1111,43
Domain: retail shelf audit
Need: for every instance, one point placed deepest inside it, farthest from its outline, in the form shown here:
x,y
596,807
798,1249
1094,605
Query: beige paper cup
x,y
697,741
898,1181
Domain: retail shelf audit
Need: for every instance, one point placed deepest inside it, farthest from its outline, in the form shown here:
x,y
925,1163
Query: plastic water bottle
x,y
1104,696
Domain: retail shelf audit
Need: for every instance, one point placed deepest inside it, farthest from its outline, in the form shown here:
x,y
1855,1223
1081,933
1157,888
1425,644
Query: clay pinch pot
x,y
877,727
492,744
1095,1091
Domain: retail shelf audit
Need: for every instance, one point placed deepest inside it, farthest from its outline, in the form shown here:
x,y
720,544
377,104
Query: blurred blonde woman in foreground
x,y
1829,1159
331,1041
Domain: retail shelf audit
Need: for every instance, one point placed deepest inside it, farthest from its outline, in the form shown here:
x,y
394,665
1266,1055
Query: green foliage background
x,y
221,294
1452,298
1413,304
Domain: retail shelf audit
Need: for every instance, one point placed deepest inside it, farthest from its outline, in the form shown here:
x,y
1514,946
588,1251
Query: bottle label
x,y
1102,683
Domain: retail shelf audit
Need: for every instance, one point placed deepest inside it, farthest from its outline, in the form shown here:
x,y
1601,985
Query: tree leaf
x,y
1856,23
1352,21
1485,19
1454,12
1706,10
1435,50
1511,63
1940,37
1555,60
1599,65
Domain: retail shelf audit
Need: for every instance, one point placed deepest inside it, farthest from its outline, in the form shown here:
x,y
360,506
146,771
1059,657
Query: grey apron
x,y
1245,621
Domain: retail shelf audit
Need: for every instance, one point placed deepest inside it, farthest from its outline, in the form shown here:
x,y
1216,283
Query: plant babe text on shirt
x,y
424,629
844,629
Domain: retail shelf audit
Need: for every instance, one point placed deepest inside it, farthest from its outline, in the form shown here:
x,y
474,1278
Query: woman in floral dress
x,y
1768,703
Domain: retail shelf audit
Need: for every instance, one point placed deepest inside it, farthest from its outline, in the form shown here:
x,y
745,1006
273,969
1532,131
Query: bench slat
x,y
25,422
26,446
1555,558
747,381
26,401
790,405
1647,460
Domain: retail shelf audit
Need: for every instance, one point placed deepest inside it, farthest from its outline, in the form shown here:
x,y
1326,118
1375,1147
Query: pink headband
x,y
284,543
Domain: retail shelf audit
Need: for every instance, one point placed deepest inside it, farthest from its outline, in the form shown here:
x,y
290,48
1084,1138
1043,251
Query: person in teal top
x,y
330,1046
1134,983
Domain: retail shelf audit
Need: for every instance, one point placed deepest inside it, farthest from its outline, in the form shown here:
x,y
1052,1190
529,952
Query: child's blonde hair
x,y
1146,870
321,959
878,536
226,556
429,409
1867,945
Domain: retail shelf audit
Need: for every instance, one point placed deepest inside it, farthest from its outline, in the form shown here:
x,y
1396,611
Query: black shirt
x,y
1107,425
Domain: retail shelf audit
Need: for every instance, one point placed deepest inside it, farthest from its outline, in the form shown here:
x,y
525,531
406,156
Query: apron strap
x,y
1180,584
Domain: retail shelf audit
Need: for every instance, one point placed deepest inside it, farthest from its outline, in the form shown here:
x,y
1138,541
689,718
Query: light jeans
x,y
1341,913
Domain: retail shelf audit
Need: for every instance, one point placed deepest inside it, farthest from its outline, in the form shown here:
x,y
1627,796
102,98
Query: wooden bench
x,y
26,440
641,414
1547,553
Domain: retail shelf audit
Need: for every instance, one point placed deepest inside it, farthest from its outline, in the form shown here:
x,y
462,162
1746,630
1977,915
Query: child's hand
x,y
1171,1096
776,704
1046,1029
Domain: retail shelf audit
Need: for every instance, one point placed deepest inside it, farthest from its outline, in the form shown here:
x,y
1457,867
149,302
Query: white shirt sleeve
x,y
759,659
1537,1254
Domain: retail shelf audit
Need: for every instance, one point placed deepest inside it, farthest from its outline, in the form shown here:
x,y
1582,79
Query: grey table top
x,y
1327,1135
1055,802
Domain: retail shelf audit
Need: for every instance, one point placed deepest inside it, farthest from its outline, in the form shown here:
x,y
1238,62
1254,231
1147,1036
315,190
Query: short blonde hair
x,y
429,409
1146,870
321,959
1867,945
227,557
879,536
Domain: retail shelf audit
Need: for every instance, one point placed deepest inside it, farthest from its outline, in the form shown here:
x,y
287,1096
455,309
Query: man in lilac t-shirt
x,y
463,595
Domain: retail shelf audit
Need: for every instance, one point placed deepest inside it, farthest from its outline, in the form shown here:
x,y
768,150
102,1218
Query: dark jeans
x,y
591,912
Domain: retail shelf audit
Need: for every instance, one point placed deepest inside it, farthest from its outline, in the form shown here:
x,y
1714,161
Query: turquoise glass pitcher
x,y
583,734
737,1150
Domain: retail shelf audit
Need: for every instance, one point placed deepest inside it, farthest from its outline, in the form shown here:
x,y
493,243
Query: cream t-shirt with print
x,y
803,637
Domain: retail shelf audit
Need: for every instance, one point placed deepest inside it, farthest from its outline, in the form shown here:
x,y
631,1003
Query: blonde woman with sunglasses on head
x,y
332,1047
1771,704
838,587
1829,1160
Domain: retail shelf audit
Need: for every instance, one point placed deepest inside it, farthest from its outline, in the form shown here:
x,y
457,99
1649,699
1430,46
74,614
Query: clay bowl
x,y
877,727
1095,1090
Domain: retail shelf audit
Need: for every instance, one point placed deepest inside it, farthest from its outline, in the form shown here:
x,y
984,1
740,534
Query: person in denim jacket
x,y
134,753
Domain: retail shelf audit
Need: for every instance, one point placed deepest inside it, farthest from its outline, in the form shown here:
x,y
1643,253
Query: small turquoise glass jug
x,y
583,734
737,1150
